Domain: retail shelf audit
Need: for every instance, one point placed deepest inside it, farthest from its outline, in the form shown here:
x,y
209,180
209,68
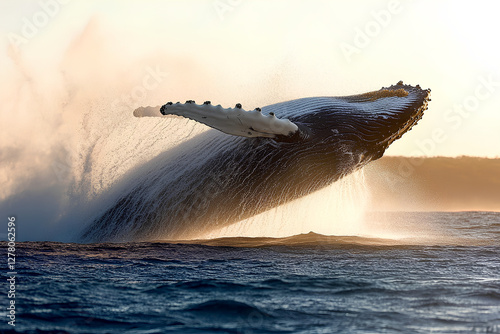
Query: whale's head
x,y
362,125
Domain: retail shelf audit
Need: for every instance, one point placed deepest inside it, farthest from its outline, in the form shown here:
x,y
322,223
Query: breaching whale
x,y
257,160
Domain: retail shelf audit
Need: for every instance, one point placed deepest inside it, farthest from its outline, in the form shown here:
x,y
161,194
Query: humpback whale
x,y
256,160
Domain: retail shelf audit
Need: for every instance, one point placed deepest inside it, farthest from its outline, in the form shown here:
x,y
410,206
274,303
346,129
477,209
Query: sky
x,y
256,52
72,72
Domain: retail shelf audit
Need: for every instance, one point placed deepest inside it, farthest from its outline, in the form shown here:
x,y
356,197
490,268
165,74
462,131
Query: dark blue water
x,y
307,285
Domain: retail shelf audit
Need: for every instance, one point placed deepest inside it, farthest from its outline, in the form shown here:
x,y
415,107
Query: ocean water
x,y
436,273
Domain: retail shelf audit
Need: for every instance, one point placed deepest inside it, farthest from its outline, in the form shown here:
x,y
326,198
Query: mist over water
x,y
72,133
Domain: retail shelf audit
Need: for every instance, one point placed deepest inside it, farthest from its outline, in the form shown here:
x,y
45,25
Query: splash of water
x,y
335,210
85,146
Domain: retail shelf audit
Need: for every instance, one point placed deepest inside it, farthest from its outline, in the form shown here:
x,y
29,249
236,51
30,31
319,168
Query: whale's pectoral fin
x,y
234,121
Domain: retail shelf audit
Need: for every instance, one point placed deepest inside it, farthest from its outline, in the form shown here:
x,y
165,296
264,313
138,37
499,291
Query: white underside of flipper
x,y
234,121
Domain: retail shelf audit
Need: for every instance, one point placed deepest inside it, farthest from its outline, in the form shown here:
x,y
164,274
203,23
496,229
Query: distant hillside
x,y
434,184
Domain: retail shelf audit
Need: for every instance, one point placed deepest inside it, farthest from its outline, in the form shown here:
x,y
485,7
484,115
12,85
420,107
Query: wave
x,y
309,239
225,309
312,239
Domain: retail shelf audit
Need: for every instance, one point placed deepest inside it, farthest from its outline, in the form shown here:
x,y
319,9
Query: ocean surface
x,y
434,273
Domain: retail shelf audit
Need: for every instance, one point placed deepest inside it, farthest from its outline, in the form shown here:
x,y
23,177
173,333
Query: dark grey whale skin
x,y
225,179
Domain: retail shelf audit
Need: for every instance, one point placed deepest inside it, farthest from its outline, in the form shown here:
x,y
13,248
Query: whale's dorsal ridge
x,y
234,121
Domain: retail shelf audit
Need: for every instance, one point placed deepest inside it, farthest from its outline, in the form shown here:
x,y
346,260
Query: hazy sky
x,y
261,52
